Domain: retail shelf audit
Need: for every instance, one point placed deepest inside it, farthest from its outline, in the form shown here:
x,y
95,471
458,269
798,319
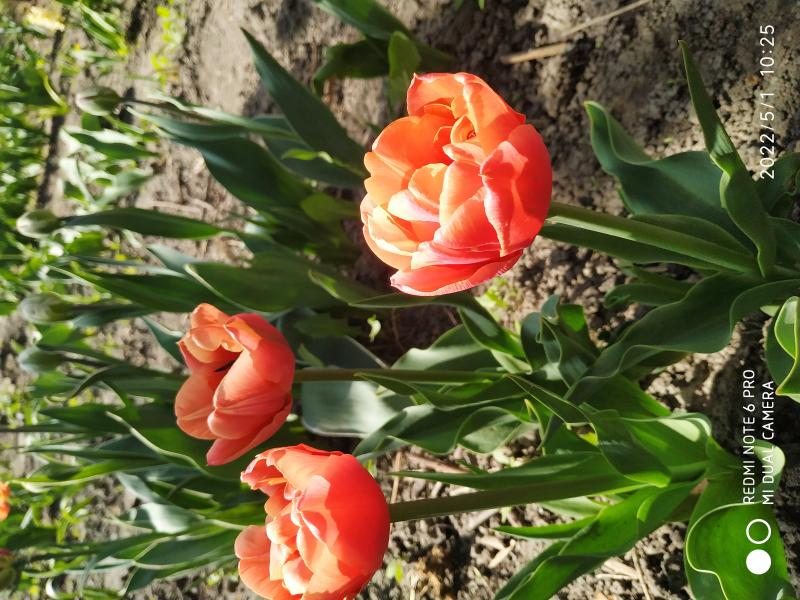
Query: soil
x,y
631,64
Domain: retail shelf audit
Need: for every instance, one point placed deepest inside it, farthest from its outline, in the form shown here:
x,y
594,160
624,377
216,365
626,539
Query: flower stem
x,y
412,375
652,235
508,496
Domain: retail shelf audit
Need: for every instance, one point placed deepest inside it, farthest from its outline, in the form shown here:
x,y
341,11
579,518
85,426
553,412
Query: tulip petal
x,y
426,184
492,118
406,206
385,179
468,227
207,342
194,403
235,420
262,476
439,88
224,451
432,254
296,576
337,502
469,152
518,180
252,548
299,466
385,237
268,348
462,181
448,279
407,143
265,366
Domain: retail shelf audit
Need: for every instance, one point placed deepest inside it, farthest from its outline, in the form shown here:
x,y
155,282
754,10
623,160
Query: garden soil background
x,y
631,64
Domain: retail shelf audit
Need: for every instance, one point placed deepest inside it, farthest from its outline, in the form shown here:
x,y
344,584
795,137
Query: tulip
x,y
5,507
458,189
326,531
239,390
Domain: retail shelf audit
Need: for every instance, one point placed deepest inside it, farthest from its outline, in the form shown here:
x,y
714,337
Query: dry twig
x,y
562,45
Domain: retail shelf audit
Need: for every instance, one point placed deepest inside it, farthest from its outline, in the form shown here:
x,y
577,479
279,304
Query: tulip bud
x,y
37,361
222,353
8,574
38,223
46,308
97,100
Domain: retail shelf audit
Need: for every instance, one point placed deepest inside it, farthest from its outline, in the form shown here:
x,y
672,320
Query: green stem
x,y
333,374
652,235
510,496
475,501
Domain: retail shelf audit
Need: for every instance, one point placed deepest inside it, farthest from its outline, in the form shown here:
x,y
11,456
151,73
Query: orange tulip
x,y
5,507
326,531
239,390
458,189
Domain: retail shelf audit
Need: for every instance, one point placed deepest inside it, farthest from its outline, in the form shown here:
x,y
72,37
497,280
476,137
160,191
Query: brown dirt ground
x,y
630,64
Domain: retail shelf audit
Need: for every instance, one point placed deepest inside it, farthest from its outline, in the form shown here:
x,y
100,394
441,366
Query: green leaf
x,y
737,188
646,288
130,380
547,532
614,531
702,322
112,144
166,338
88,416
250,172
490,334
404,60
681,184
705,230
456,349
788,235
550,477
629,250
283,279
306,113
363,59
54,475
786,332
168,293
327,209
161,518
171,258
273,129
324,325
655,451
190,550
558,337
368,16
717,546
154,425
147,222
195,131
480,429
779,193
123,183
346,408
